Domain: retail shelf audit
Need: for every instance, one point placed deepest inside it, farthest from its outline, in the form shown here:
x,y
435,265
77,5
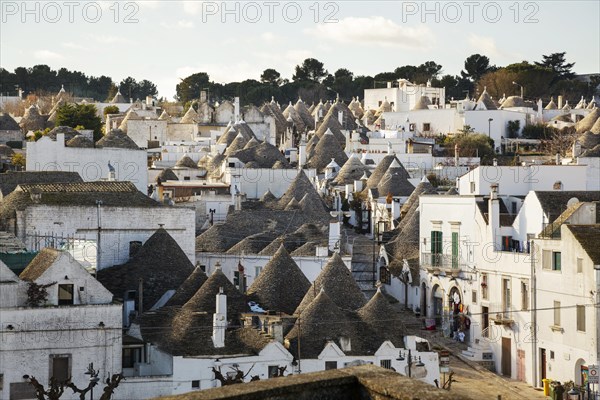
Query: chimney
x,y
149,100
456,155
302,151
334,236
220,320
238,202
494,216
389,85
236,106
203,96
277,331
560,102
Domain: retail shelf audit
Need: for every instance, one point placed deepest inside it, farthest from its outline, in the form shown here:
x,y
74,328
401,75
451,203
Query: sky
x,y
165,41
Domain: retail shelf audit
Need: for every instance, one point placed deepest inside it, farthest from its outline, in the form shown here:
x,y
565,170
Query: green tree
x,y
406,72
471,145
271,77
189,88
110,110
558,64
18,160
311,69
476,66
85,115
146,88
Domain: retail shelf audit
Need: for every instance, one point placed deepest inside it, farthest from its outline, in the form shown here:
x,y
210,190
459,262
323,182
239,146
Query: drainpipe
x,y
532,256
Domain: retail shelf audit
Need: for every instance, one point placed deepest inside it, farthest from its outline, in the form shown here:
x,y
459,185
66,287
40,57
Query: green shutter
x,y
454,249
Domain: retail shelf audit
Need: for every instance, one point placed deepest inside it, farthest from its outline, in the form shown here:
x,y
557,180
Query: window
x,y
551,355
257,271
60,367
128,358
472,187
273,371
426,127
384,275
454,249
231,165
524,295
65,294
386,364
546,259
196,384
484,286
436,247
514,207
557,313
581,318
506,303
474,296
579,265
1,382
134,246
556,261
330,365
186,178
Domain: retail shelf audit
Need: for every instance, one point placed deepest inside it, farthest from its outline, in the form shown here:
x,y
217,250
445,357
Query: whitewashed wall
x,y
91,164
120,225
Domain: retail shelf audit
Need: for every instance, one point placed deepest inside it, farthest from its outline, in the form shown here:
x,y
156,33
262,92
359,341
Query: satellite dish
x,y
572,201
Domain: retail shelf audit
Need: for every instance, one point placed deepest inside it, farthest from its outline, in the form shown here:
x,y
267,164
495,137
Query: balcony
x,y
446,263
501,315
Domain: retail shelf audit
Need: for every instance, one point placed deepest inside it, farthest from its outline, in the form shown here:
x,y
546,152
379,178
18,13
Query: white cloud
x,y
192,7
111,39
152,4
47,55
374,31
185,24
73,46
484,45
270,37
181,24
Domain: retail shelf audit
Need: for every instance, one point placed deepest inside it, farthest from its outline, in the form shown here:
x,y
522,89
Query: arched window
x,y
384,275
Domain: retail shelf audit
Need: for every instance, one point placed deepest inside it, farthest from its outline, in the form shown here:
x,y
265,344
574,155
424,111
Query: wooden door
x,y
521,365
542,365
506,361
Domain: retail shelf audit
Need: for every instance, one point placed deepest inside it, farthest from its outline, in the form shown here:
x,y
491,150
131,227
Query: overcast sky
x,y
164,41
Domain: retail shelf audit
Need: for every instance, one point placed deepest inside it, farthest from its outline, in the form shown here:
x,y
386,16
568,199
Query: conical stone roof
x,y
588,121
380,170
188,288
321,322
327,148
395,181
336,279
351,171
116,138
281,285
161,265
204,298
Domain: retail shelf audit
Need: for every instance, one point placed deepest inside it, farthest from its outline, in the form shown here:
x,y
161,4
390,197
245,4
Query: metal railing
x,y
449,261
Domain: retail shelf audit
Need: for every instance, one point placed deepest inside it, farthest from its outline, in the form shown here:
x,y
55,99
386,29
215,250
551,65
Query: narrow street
x,y
471,378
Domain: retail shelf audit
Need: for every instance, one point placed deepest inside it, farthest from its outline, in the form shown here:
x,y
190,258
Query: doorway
x,y
521,365
485,321
424,300
542,366
506,360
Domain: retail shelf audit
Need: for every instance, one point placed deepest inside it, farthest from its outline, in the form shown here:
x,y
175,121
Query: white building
x,y
92,164
403,97
112,214
59,337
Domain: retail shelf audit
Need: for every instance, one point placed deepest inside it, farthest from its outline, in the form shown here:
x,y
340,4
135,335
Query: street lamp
x,y
521,86
93,378
212,212
411,360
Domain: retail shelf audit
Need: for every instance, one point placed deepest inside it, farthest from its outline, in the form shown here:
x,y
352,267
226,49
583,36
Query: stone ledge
x,y
355,383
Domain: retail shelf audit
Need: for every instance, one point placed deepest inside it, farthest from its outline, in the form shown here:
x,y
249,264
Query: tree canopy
x,y
75,115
